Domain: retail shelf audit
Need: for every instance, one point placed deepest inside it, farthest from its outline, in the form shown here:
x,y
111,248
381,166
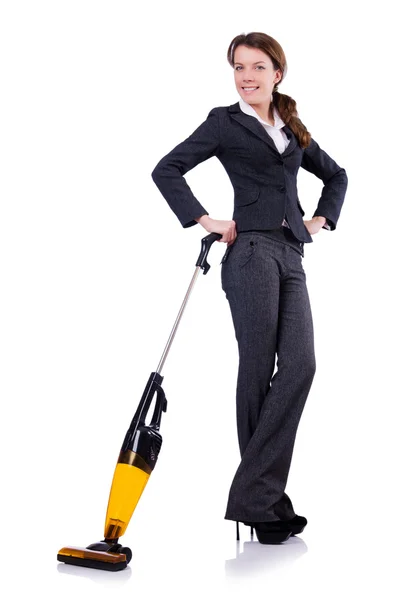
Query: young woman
x,y
262,143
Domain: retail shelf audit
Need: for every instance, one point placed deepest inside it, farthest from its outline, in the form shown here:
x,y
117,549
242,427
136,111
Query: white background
x,y
94,267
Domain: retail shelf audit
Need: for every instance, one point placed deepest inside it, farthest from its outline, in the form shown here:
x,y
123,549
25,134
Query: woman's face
x,y
254,68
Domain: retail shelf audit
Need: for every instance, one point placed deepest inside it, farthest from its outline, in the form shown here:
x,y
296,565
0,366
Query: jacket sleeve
x,y
327,224
317,161
168,174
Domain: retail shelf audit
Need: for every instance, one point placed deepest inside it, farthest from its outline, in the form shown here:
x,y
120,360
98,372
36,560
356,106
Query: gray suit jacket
x,y
264,181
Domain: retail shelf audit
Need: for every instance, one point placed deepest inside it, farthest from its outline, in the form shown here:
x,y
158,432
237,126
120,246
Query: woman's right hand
x,y
226,228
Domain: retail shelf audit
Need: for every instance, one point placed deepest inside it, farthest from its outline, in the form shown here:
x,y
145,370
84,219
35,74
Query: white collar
x,y
249,110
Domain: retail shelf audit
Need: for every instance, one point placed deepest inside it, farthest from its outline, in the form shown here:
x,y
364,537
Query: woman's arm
x,y
168,173
317,161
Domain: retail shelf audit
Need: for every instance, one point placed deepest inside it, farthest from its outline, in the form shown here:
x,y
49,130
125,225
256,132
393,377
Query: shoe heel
x,y
272,537
238,531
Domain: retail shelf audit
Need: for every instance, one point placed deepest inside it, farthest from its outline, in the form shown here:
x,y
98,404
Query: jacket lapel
x,y
251,123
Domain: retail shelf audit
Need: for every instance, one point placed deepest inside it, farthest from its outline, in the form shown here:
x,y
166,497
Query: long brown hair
x,y
285,105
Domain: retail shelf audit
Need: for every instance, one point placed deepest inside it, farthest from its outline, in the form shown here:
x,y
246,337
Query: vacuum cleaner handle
x,y
206,244
155,380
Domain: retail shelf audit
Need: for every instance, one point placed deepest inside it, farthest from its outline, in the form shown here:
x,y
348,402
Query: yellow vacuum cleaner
x,y
136,461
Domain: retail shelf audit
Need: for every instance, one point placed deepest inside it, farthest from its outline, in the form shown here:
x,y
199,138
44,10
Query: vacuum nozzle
x,y
100,555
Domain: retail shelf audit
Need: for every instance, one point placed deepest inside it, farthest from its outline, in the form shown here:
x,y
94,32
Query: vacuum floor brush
x,y
136,461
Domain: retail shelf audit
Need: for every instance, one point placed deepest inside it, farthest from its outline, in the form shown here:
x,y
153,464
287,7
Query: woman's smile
x,y
249,89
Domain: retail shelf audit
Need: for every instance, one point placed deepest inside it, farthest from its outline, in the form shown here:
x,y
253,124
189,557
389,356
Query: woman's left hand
x,y
315,224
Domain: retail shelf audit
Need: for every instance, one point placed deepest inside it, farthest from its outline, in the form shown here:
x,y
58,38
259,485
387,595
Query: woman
x,y
262,143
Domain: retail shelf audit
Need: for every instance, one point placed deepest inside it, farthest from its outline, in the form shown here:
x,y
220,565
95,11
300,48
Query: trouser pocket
x,y
246,253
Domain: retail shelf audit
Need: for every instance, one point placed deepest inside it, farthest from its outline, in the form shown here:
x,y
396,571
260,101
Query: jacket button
x,y
282,188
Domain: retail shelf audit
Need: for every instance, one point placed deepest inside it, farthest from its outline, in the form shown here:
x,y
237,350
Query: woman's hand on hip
x,y
315,224
226,228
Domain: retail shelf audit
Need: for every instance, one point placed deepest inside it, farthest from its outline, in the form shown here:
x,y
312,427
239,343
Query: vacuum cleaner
x,y
136,461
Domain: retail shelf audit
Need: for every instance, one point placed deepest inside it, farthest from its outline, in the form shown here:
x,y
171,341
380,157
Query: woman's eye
x,y
259,67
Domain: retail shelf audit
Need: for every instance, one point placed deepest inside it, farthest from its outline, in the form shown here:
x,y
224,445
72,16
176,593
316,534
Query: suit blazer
x,y
264,181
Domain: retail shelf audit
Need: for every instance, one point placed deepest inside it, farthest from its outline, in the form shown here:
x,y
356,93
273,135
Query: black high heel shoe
x,y
270,532
297,524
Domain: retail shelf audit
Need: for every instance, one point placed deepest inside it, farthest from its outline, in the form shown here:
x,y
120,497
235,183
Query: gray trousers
x,y
265,285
